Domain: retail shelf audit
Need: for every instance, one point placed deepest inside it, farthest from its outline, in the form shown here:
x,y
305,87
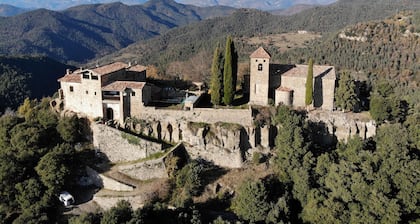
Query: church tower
x,y
259,77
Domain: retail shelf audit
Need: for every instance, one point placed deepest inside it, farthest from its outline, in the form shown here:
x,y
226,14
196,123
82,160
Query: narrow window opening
x,y
260,67
133,93
71,89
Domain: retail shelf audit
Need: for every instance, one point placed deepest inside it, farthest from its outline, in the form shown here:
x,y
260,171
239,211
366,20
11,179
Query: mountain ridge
x,y
10,10
262,5
82,33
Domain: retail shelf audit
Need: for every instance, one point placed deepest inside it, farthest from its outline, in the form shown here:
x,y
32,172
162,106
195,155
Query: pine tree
x,y
346,92
216,77
309,83
229,78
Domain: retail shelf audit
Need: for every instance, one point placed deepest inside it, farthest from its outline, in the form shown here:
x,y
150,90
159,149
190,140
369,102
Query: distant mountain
x,y
33,77
9,10
292,10
184,42
263,5
82,33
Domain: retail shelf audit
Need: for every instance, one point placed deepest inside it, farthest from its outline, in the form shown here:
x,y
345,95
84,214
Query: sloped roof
x,y
260,53
328,72
284,89
74,77
122,85
137,68
106,69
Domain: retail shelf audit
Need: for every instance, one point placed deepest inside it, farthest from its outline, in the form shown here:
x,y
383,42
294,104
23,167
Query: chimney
x,y
67,71
129,64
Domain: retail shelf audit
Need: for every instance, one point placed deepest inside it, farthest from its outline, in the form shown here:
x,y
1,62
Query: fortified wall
x,y
226,137
220,136
123,147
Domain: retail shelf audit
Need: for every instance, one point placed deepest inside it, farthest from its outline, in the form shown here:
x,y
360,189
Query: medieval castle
x,y
118,90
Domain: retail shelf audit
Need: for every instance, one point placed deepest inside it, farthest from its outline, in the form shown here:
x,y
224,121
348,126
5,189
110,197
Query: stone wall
x,y
118,148
340,126
224,145
105,182
145,170
205,115
114,185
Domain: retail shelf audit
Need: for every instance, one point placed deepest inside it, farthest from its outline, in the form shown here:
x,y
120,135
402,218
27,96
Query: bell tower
x,y
259,77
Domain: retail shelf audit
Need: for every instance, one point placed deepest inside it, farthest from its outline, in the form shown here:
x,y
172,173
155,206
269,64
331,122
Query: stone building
x,y
286,83
114,91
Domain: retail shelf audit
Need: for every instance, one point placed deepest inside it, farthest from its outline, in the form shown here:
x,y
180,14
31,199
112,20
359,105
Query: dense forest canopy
x,y
22,77
37,161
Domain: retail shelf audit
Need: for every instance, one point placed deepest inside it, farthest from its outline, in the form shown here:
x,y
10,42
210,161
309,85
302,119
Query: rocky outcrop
x,y
341,126
222,144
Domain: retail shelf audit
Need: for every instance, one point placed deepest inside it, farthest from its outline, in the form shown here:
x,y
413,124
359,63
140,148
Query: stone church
x,y
286,83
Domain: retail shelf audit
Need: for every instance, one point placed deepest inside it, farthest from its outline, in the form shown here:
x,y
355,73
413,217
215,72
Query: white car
x,y
66,198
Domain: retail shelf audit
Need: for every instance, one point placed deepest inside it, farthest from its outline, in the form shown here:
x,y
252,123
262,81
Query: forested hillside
x,y
181,44
37,161
390,48
82,33
22,77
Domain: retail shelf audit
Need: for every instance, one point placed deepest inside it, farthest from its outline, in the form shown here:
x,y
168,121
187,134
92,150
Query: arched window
x,y
260,67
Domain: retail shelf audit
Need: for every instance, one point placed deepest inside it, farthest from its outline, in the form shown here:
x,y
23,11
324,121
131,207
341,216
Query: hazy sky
x,y
62,4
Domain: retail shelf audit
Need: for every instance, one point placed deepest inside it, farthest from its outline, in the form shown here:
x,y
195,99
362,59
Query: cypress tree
x,y
228,79
346,92
309,83
216,77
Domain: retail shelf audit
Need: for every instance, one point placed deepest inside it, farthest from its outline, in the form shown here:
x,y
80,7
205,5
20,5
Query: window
x,y
85,76
71,89
87,92
94,77
133,93
95,93
260,67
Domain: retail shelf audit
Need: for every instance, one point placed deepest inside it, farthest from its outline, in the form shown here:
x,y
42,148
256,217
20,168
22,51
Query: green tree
x,y
29,192
229,72
346,97
309,83
68,127
54,168
379,108
85,218
122,212
216,77
250,203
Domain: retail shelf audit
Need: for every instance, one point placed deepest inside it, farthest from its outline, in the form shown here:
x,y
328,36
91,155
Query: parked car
x,y
66,198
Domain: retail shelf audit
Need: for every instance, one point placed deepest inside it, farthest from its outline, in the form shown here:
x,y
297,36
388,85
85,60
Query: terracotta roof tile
x,y
260,53
74,77
106,69
137,68
122,85
284,89
302,71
